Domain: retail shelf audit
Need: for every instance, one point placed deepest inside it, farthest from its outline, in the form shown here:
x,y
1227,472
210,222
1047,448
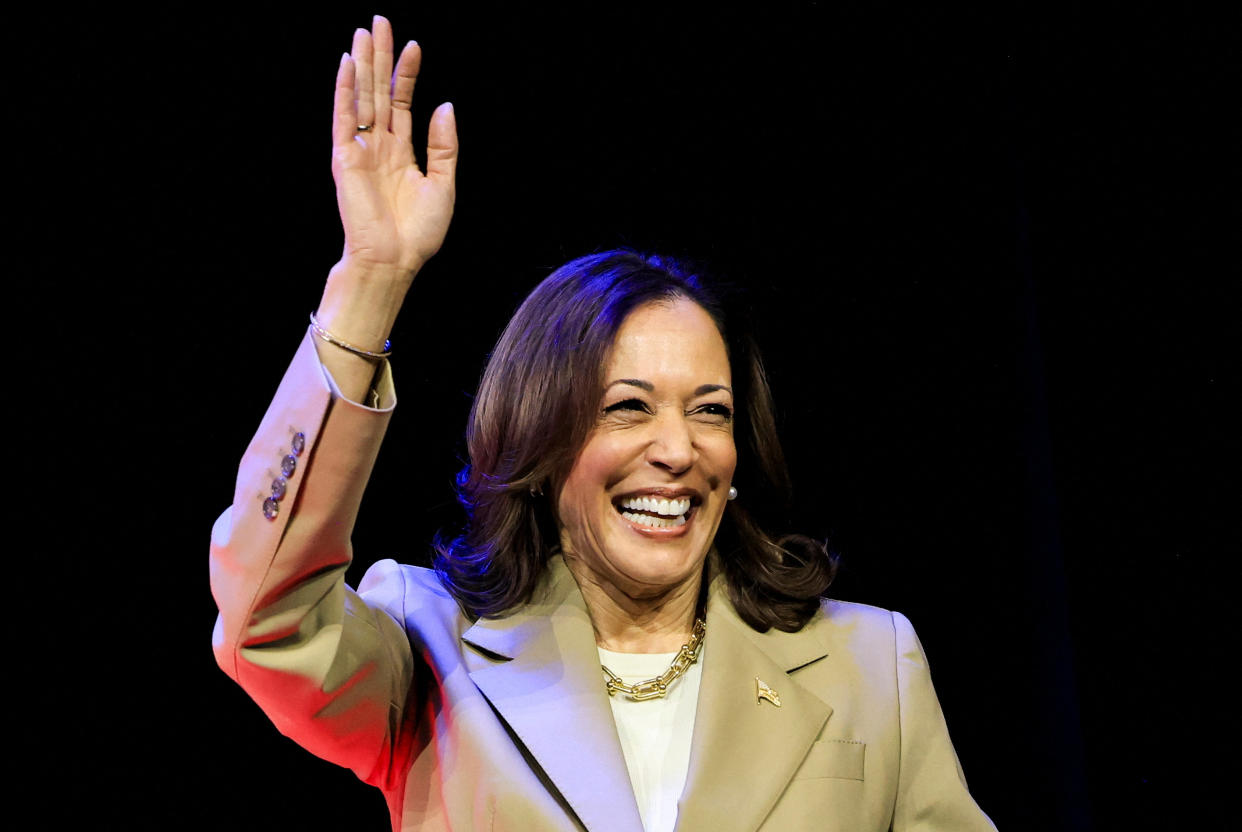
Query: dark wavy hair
x,y
536,406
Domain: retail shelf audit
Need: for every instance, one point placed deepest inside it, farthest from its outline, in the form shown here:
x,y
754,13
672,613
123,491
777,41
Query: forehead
x,y
669,340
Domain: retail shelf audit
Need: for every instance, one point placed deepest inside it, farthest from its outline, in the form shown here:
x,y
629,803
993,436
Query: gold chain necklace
x,y
657,687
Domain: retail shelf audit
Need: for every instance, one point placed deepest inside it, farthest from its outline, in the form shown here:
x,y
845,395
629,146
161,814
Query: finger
x,y
381,36
344,117
442,144
403,90
363,95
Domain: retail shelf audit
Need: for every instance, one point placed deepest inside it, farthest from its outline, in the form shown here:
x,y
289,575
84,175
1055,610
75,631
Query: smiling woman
x,y
615,380
614,642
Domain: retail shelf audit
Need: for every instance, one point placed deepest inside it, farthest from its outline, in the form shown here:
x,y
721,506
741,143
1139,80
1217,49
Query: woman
x,y
613,643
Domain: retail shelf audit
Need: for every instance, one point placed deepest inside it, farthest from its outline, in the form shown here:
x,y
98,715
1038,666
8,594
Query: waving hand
x,y
394,215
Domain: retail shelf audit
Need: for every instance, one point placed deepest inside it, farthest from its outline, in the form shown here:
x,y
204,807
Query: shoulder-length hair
x,y
536,406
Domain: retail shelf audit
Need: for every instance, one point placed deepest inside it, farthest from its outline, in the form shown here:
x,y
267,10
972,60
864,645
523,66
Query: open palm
x,y
394,215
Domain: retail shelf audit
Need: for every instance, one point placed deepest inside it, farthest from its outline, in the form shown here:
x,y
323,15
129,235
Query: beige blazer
x,y
504,724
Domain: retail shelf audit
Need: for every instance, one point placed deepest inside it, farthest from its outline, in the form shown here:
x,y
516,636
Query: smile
x,y
655,512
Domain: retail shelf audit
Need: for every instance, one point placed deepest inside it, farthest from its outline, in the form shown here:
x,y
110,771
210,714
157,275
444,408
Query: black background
x,y
993,261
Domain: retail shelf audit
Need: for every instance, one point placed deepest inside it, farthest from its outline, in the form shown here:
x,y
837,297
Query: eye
x,y
716,410
627,404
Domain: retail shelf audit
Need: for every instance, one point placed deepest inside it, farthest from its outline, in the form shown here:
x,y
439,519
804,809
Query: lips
x,y
658,508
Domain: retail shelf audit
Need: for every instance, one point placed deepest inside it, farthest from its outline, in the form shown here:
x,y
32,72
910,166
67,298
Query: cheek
x,y
569,502
584,487
723,454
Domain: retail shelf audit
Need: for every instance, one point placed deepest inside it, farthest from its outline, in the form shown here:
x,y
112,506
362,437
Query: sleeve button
x,y
288,465
279,486
299,443
271,508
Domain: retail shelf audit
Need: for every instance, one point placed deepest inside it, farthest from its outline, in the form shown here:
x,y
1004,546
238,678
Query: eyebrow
x,y
701,390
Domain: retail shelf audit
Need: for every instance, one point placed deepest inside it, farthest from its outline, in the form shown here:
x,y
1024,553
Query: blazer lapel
x,y
745,748
548,687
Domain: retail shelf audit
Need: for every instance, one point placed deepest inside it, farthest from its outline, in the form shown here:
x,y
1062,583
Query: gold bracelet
x,y
345,345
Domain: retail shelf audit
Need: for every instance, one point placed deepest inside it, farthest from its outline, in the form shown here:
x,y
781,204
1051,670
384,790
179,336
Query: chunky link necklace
x,y
657,687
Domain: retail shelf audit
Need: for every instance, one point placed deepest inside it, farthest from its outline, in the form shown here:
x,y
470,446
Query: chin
x,y
654,576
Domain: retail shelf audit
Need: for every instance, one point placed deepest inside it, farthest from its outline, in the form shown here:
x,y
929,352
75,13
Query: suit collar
x,y
549,690
740,738
545,682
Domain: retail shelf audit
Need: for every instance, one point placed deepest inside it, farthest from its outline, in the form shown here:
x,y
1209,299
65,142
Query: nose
x,y
672,446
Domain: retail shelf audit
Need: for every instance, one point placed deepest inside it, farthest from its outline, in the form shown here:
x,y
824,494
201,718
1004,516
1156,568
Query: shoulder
x,y
854,613
877,634
390,573
850,616
861,628
408,593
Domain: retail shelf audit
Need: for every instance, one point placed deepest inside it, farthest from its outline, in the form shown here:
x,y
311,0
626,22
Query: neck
x,y
637,622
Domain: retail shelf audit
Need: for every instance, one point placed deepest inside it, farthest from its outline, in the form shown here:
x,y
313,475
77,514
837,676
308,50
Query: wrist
x,y
377,282
360,302
327,336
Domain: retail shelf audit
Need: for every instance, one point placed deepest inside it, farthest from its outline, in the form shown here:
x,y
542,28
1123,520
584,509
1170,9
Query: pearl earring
x,y
732,493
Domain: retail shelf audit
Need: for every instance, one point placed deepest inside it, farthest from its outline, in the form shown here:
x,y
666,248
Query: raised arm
x,y
332,668
394,215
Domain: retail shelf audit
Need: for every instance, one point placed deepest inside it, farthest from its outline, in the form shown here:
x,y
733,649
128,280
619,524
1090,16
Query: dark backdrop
x,y
992,256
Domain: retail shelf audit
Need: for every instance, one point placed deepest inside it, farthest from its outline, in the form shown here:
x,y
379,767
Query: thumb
x,y
442,144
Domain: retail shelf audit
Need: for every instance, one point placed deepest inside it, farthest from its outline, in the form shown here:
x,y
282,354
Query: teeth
x,y
655,522
658,505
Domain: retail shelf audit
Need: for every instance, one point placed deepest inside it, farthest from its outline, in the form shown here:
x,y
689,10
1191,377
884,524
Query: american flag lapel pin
x,y
762,692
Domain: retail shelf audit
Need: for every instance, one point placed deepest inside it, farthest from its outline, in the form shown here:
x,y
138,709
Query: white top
x,y
655,735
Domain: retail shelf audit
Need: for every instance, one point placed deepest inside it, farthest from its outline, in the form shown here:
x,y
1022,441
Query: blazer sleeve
x,y
330,667
931,788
